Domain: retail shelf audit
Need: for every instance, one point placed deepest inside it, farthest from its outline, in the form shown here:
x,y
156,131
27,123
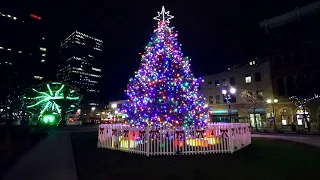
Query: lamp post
x,y
273,102
227,96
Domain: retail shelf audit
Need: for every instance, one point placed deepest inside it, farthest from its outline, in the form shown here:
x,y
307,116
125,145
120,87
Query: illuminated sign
x,y
35,17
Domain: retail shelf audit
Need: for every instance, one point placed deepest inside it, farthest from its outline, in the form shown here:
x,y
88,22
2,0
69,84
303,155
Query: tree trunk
x,y
305,117
255,119
8,128
64,107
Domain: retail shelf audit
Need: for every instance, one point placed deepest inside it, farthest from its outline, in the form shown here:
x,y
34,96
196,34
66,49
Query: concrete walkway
x,y
310,140
51,159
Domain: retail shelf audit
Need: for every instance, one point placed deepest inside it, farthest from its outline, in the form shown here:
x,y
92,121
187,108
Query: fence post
x,y
148,141
231,144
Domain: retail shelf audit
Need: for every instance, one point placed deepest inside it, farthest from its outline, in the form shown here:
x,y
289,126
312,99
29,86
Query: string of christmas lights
x,y
302,101
164,91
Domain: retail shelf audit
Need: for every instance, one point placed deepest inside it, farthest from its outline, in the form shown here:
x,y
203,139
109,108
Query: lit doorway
x,y
300,118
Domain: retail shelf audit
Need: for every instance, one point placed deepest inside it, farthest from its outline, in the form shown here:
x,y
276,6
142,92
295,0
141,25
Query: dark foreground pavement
x,y
51,159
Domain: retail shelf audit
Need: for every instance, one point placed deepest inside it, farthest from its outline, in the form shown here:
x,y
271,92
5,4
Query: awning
x,y
256,111
223,111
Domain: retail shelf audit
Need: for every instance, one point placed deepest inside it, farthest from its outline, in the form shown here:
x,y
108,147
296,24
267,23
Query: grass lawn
x,y
264,159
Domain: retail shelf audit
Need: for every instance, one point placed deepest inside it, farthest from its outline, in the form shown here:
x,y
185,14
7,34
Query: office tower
x,y
23,51
78,67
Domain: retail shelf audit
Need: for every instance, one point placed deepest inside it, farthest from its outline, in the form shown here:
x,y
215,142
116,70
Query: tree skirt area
x,y
264,159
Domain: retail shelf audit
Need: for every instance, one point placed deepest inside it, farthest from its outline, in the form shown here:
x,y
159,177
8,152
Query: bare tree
x,y
252,100
301,103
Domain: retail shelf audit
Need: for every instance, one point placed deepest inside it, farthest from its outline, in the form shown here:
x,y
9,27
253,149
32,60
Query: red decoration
x,y
232,129
200,133
224,132
114,132
179,134
142,134
154,133
101,130
239,130
126,132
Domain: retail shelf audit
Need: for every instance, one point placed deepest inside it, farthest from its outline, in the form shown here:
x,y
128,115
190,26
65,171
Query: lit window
x,y
43,38
20,52
1,47
217,99
9,15
43,49
96,69
42,60
9,49
43,55
224,82
217,84
284,122
38,77
97,49
248,79
14,18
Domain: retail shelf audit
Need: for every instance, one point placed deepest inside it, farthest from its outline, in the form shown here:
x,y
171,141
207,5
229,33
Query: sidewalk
x,y
310,140
51,159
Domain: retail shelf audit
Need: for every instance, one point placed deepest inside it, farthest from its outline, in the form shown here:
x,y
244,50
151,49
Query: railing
x,y
215,138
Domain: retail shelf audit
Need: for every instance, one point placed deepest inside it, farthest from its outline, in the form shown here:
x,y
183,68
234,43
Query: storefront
x,y
286,116
260,116
223,115
300,117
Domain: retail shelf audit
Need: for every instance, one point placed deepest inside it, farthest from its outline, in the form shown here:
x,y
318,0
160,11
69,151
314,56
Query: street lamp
x,y
273,102
113,106
93,108
227,96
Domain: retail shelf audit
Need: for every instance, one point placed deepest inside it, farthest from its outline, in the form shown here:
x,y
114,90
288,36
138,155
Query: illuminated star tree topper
x,y
163,15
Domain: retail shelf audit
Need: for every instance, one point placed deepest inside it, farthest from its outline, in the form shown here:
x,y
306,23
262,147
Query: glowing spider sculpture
x,y
48,99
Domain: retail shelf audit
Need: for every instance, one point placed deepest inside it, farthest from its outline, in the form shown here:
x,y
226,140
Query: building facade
x,y
78,66
294,47
23,51
254,78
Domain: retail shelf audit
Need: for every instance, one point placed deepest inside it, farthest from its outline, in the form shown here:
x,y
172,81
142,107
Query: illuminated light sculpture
x,y
164,91
49,119
46,101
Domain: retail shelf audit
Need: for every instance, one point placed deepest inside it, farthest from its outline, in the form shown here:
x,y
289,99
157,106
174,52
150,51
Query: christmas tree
x,y
164,91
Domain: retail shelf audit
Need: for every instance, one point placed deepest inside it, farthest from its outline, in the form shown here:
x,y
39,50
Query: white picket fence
x,y
215,138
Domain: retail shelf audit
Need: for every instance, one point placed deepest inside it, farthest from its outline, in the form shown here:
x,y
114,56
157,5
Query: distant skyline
x,y
212,33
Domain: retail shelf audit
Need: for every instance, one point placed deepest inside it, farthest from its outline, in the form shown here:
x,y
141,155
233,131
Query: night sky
x,y
213,33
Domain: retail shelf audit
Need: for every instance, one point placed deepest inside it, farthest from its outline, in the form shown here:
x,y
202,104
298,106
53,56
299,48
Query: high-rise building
x,y
23,51
78,66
